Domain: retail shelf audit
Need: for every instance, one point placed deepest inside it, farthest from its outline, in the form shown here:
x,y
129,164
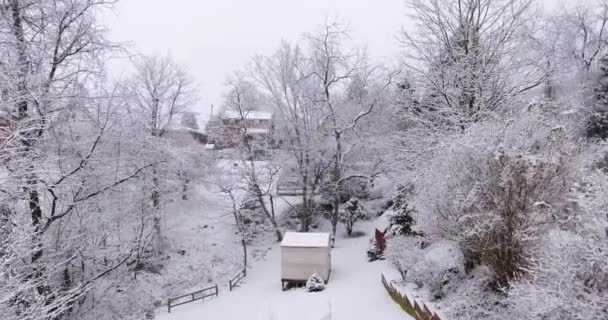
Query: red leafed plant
x,y
381,239
377,246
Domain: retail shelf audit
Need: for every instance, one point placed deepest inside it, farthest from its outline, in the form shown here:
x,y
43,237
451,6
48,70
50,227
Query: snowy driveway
x,y
354,292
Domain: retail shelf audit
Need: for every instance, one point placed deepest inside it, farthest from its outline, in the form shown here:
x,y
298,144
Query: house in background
x,y
258,127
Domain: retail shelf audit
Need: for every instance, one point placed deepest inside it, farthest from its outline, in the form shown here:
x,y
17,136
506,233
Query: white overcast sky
x,y
212,38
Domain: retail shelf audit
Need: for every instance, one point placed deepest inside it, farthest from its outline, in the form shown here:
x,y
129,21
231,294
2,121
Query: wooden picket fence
x,y
234,281
413,309
192,296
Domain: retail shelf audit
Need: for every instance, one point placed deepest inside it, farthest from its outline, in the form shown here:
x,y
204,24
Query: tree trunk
x,y
22,111
17,29
185,182
239,227
334,220
336,177
303,214
31,183
244,244
156,207
269,215
272,206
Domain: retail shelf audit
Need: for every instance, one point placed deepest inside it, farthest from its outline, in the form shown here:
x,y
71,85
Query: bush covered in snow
x,y
401,220
433,268
570,278
353,211
498,209
315,283
437,266
597,123
526,218
497,190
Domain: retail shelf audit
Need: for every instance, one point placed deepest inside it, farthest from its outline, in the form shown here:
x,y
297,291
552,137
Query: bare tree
x,y
52,58
584,33
463,55
158,91
333,70
283,77
260,177
231,189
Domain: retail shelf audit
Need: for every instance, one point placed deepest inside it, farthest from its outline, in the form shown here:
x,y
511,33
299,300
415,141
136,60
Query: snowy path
x,y
354,292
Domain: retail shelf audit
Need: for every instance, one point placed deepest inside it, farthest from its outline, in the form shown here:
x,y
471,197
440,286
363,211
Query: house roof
x,y
257,130
261,115
305,239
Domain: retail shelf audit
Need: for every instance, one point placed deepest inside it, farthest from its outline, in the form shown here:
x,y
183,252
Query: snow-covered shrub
x,y
570,275
500,207
353,212
597,123
496,190
401,221
315,283
403,253
499,190
472,298
434,269
437,266
570,281
602,164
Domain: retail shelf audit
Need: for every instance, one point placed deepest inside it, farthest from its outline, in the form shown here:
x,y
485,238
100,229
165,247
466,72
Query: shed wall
x,y
300,263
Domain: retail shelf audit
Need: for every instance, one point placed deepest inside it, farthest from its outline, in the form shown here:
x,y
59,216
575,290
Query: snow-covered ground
x,y
354,291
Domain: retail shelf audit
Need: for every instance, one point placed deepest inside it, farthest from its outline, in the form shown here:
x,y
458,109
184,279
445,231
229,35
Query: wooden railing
x,y
234,281
413,309
193,296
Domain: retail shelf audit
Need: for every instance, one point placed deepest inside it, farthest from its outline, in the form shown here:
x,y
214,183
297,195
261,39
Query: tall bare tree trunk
x,y
28,142
156,202
156,206
305,214
240,227
336,177
270,215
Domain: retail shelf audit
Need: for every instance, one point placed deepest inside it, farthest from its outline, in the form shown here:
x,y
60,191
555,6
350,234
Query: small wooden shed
x,y
304,253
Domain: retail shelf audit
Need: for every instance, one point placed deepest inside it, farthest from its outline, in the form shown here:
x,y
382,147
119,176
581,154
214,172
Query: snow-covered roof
x,y
305,239
257,130
261,115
